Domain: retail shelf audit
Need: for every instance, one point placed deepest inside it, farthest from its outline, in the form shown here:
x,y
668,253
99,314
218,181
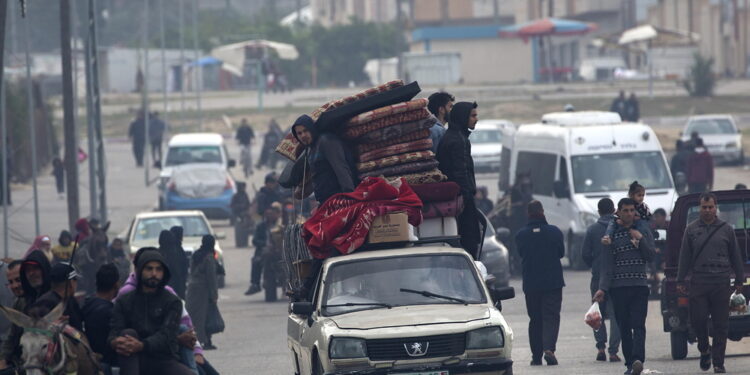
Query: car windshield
x,y
193,154
615,172
150,228
378,283
486,136
711,126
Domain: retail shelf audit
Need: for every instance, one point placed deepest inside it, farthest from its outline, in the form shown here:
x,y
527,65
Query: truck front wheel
x,y
679,341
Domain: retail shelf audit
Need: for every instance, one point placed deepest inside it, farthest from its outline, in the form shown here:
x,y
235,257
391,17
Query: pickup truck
x,y
417,310
734,208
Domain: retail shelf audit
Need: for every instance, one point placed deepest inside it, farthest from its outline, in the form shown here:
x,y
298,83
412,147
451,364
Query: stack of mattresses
x,y
394,141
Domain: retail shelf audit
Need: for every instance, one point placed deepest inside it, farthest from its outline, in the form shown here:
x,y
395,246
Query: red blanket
x,y
343,221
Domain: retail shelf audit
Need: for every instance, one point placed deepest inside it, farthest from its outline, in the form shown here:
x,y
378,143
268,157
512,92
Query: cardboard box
x,y
393,227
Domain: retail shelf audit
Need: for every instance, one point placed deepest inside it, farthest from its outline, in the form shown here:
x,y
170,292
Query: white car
x,y
145,228
192,148
418,310
486,144
720,135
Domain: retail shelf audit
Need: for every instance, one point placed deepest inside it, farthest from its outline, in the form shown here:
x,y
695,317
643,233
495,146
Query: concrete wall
x,y
487,60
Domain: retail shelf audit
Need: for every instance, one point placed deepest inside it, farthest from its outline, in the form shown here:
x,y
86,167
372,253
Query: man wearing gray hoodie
x,y
591,250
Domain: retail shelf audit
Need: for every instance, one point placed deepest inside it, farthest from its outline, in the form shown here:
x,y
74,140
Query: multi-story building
x,y
721,24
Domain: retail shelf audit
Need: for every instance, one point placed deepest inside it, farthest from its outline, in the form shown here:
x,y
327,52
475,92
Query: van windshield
x,y
178,155
615,172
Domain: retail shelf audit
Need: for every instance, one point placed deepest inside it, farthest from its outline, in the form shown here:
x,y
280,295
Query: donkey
x,y
51,347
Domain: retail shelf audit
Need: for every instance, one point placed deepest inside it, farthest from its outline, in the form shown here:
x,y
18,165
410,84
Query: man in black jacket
x,y
541,247
454,155
97,313
145,322
261,241
64,280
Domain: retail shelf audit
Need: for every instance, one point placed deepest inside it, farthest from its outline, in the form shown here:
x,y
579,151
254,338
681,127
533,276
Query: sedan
x,y
720,135
486,144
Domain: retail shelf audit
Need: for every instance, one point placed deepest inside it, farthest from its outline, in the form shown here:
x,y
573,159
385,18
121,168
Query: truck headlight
x,y
485,338
347,348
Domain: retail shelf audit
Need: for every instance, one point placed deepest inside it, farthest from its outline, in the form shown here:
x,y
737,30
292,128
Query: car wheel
x,y
679,343
317,366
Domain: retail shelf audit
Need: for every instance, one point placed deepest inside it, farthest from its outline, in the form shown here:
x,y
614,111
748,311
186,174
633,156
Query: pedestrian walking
x,y
145,322
591,251
268,194
262,242
176,261
679,164
64,248
440,105
137,135
700,169
245,137
632,109
270,140
619,104
541,246
454,155
202,288
624,279
710,255
483,203
521,194
58,170
156,129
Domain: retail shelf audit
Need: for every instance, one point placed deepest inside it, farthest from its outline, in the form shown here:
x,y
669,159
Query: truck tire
x,y
679,342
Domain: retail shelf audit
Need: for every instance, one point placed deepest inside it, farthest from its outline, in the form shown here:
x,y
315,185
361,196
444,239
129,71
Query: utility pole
x,y
69,125
165,89
100,156
31,108
180,27
198,81
3,129
144,92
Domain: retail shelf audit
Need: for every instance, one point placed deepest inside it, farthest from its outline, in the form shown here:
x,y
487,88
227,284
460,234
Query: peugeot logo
x,y
417,349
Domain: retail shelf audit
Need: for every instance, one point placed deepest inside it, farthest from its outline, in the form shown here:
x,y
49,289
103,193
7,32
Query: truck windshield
x,y
615,172
372,283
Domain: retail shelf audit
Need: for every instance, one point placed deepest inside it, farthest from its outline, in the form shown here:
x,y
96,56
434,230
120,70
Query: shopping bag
x,y
214,321
737,304
594,317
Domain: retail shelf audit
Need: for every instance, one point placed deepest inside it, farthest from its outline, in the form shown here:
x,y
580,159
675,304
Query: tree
x,y
701,81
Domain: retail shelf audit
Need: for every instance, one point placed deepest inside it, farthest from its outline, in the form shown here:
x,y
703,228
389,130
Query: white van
x,y
577,158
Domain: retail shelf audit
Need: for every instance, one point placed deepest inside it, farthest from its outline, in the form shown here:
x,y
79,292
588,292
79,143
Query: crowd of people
x,y
157,319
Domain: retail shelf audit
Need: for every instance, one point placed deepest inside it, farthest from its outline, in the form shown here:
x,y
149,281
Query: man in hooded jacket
x,y
35,280
454,156
331,163
145,322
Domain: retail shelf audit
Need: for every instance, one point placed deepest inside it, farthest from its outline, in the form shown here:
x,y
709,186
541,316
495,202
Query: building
x,y
721,24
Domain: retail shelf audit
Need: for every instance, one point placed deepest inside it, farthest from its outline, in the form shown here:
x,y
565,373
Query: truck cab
x,y
734,208
418,310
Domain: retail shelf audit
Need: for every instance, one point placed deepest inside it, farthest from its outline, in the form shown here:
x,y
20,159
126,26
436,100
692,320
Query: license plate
x,y
441,372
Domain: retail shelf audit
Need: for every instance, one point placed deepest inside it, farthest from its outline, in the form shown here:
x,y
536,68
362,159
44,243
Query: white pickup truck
x,y
409,311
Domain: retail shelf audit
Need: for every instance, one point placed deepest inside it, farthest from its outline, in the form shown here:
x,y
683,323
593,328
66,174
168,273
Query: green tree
x,y
701,81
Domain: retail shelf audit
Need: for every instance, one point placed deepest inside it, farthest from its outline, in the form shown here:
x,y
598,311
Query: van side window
x,y
541,166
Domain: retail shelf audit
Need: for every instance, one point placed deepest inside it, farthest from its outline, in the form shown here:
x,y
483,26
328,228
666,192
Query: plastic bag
x,y
737,304
594,317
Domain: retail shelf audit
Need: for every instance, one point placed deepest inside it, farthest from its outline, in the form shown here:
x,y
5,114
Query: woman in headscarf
x,y
168,249
183,262
83,230
64,249
43,243
202,288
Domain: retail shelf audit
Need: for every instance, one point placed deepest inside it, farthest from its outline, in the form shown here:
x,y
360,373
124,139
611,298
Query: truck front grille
x,y
416,347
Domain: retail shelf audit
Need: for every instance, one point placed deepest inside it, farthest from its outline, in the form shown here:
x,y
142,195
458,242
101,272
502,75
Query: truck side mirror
x,y
303,308
561,189
503,293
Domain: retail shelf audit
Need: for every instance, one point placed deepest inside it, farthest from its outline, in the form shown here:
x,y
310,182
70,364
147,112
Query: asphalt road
x,y
255,339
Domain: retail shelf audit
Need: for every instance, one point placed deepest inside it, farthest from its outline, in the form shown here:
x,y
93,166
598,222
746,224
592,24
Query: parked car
x,y
495,255
486,144
720,135
734,208
204,187
414,310
145,228
192,148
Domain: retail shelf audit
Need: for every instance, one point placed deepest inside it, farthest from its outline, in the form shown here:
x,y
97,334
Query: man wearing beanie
x,y
541,247
454,156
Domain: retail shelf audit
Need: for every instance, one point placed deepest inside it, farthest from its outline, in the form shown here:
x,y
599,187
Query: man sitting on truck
x,y
709,252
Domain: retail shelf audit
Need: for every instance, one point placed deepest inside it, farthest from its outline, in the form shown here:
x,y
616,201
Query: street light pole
x,y
97,105
180,28
198,73
165,90
69,124
146,115
32,126
3,129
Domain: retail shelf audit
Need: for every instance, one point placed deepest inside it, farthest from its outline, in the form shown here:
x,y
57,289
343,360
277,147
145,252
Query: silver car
x,y
486,144
720,135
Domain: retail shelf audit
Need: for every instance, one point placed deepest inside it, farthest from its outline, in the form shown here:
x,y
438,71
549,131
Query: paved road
x,y
255,339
